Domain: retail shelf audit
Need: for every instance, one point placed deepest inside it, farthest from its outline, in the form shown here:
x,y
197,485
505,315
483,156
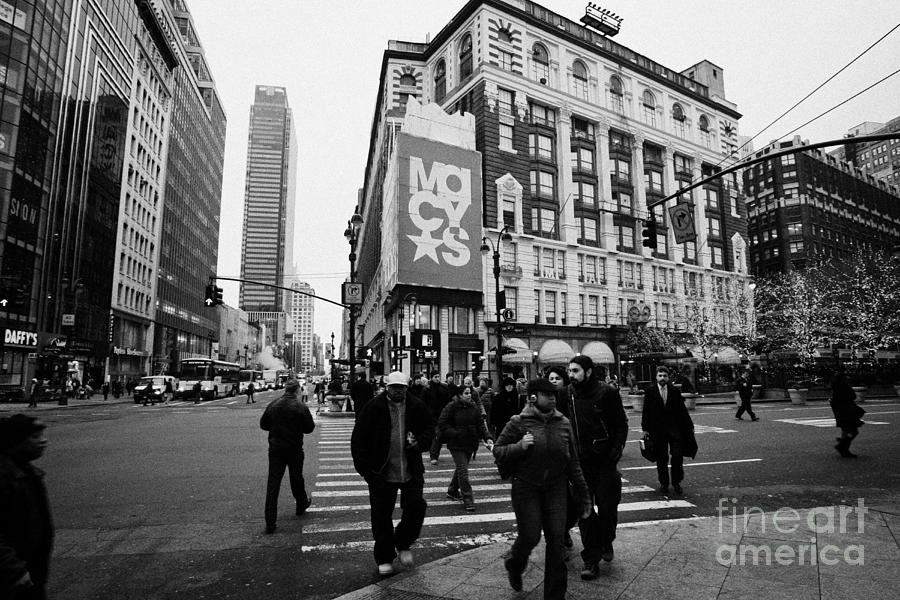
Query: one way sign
x,y
682,217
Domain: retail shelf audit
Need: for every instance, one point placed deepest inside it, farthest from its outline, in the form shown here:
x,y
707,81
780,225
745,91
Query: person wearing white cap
x,y
390,434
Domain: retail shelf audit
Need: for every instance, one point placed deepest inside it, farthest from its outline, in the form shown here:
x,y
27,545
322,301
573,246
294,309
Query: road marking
x,y
823,423
697,429
443,489
699,464
430,480
427,542
479,501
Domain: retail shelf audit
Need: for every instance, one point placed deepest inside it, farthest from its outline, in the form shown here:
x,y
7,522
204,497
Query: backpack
x,y
507,467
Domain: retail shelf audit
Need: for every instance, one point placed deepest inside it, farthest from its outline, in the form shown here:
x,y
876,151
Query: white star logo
x,y
425,246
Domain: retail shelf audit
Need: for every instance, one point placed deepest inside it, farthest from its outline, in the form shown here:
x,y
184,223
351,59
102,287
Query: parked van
x,y
152,388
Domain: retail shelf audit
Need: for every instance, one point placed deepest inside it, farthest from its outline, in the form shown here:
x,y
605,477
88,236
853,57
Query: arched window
x,y
540,63
408,80
616,94
465,56
648,108
703,123
440,81
678,119
579,76
705,135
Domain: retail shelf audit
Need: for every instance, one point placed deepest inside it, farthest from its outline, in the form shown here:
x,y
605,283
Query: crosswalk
x,y
821,422
340,510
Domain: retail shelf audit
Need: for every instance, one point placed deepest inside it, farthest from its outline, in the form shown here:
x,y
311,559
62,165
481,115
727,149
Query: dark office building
x,y
811,206
190,238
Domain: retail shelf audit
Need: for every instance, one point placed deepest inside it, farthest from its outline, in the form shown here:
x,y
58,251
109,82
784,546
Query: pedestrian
x,y
168,391
436,397
26,527
251,389
360,393
601,430
419,381
105,389
505,405
667,424
287,420
387,443
33,393
847,414
461,426
450,382
539,447
486,395
745,391
198,390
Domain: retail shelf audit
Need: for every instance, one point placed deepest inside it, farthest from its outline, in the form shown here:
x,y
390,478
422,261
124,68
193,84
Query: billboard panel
x,y
439,216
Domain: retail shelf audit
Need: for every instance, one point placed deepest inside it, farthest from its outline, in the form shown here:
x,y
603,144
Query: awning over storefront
x,y
521,353
599,352
555,352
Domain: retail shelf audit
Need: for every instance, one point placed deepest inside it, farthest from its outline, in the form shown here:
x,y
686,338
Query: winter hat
x,y
17,428
291,386
541,385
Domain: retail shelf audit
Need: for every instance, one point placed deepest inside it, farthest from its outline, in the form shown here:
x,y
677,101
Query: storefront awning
x,y
555,352
521,353
599,352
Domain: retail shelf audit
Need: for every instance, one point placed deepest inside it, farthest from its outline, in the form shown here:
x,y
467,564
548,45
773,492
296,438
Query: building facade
x,y
268,230
813,207
577,134
879,159
189,243
239,339
301,308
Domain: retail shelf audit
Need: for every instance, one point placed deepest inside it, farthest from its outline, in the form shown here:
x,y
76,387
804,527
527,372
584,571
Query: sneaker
x,y
515,577
385,569
406,558
590,571
270,529
454,495
434,461
302,506
677,488
469,506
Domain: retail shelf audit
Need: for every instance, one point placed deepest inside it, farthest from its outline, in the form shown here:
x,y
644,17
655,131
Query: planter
x,y
757,391
798,396
637,402
860,392
690,401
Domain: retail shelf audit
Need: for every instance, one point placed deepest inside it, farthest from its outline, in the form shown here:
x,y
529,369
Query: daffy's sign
x,y
439,214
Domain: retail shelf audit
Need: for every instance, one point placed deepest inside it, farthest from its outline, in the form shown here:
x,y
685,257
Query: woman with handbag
x,y
461,426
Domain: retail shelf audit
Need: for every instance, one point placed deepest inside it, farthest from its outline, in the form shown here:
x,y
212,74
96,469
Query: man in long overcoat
x,y
670,429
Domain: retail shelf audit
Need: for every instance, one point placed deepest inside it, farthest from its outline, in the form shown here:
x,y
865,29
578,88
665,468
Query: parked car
x,y
11,392
152,388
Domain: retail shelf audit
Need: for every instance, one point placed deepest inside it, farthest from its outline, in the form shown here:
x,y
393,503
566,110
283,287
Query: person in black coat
x,y
745,391
847,413
667,423
360,393
435,396
26,527
388,440
504,405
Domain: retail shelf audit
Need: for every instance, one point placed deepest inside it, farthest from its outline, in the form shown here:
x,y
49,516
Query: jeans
x,y
460,480
537,509
382,499
279,459
436,444
745,407
664,447
598,531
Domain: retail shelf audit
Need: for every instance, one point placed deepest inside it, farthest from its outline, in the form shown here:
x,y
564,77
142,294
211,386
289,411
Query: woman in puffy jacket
x,y
538,447
462,426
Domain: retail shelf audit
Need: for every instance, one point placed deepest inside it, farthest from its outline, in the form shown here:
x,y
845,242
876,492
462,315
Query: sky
x,y
328,53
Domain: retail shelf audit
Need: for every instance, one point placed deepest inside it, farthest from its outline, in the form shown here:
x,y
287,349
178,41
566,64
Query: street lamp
x,y
488,245
352,236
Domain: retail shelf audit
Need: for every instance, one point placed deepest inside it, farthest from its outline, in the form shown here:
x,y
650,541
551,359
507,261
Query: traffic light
x,y
217,295
209,296
649,232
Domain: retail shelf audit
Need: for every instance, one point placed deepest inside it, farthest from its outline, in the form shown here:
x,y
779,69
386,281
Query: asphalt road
x,y
167,501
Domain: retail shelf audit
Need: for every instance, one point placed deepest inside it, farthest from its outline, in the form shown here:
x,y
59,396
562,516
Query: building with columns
x,y
576,135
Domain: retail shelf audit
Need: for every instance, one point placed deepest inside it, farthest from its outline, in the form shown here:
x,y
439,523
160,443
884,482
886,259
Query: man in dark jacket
x,y
745,391
601,430
26,528
287,420
389,437
360,393
667,423
435,396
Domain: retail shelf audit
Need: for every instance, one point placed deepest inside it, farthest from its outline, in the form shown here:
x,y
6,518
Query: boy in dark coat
x,y
26,528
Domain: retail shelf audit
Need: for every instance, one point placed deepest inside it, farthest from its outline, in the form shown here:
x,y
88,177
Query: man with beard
x,y
391,433
601,429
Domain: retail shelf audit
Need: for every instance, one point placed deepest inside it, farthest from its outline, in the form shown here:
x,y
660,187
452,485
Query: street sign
x,y
509,314
352,293
68,320
682,217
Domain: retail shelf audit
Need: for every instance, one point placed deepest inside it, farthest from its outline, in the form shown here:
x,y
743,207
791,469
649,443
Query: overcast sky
x,y
327,54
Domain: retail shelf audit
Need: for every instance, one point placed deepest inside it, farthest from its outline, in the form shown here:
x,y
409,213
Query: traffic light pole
x,y
280,287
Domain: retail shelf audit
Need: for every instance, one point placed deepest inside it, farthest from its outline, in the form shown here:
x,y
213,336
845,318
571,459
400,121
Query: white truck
x,y
270,378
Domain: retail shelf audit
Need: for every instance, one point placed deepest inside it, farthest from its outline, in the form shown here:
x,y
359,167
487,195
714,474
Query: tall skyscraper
x,y
301,308
189,244
267,246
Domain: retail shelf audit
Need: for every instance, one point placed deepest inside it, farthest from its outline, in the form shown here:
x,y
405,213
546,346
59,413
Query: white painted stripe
x,y
333,452
700,464
477,488
505,499
429,479
321,443
340,459
232,402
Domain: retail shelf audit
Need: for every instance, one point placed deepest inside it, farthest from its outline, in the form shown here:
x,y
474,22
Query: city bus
x,y
247,376
217,378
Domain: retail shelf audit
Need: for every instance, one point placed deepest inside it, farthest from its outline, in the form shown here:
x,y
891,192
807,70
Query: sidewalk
x,y
73,403
810,554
